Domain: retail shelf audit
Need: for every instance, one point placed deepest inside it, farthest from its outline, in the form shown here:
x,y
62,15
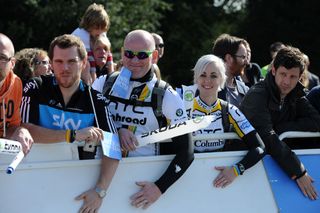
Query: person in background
x,y
31,62
252,71
308,79
159,45
232,50
62,108
94,22
274,48
10,98
103,56
209,78
42,63
278,104
314,97
160,48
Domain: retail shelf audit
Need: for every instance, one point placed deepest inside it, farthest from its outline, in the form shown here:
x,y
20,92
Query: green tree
x,y
189,30
34,23
292,22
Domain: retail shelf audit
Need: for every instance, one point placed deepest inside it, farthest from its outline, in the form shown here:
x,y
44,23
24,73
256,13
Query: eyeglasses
x,y
140,55
243,57
41,62
161,45
4,59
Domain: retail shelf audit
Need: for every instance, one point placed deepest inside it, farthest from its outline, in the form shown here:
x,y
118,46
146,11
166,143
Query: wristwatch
x,y
101,192
241,168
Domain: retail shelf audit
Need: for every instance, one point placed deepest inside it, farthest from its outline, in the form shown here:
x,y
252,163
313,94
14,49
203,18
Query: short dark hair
x,y
226,44
276,46
66,41
289,57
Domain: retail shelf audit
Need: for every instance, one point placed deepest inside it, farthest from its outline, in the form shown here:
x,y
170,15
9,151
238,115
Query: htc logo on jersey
x,y
137,121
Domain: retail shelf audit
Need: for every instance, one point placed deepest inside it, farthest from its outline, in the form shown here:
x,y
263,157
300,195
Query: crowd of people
x,y
70,94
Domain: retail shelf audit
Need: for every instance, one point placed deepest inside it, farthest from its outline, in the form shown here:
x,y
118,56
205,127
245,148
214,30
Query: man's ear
x,y
228,58
273,70
85,62
155,56
13,62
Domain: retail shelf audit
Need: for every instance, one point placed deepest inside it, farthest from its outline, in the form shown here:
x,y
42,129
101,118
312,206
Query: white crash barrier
x,y
50,177
298,134
52,186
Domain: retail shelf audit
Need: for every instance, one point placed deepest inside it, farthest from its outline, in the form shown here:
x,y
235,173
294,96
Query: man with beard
x,y
61,108
232,51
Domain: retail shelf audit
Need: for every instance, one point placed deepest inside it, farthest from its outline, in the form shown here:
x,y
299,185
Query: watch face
x,y
241,168
102,193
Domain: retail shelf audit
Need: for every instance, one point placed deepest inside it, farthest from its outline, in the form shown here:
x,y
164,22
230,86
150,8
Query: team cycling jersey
x,y
43,104
141,119
10,100
196,107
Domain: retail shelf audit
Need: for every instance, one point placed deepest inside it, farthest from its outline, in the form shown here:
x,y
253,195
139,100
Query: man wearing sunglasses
x,y
138,55
10,97
160,48
159,45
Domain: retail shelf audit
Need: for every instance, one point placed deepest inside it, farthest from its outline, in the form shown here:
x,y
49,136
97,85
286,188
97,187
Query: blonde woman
x,y
202,99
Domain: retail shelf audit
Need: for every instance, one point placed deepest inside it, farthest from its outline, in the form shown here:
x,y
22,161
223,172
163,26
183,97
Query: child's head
x,y
95,20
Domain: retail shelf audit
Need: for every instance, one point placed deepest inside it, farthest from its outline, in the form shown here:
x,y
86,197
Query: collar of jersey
x,y
146,78
81,84
208,109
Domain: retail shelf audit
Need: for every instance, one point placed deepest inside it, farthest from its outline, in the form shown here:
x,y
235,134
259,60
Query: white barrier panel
x,y
52,186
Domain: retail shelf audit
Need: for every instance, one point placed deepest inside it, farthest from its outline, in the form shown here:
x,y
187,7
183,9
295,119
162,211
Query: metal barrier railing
x,y
233,135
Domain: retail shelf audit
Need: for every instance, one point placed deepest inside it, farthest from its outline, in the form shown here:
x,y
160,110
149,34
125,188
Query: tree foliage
x,y
189,31
34,23
293,22
189,27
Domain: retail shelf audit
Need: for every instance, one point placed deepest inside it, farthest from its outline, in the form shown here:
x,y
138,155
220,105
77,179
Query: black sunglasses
x,y
161,45
4,58
140,55
243,57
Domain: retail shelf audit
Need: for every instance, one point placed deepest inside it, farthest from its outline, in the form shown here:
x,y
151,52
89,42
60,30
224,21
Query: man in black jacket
x,y
278,104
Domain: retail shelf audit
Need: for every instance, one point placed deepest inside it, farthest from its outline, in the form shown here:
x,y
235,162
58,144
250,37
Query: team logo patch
x,y
188,95
179,112
245,125
198,119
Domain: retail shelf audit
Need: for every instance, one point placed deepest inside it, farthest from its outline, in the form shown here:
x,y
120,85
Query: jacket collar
x,y
274,92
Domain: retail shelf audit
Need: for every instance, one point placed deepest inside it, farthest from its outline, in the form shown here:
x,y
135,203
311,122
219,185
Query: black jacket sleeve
x,y
30,101
182,146
255,107
256,149
314,98
307,118
286,159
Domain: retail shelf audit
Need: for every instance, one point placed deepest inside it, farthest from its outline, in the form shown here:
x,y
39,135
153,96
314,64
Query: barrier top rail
x,y
233,135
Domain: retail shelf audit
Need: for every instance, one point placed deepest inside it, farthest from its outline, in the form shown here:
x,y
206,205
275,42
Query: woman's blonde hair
x,y
102,40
